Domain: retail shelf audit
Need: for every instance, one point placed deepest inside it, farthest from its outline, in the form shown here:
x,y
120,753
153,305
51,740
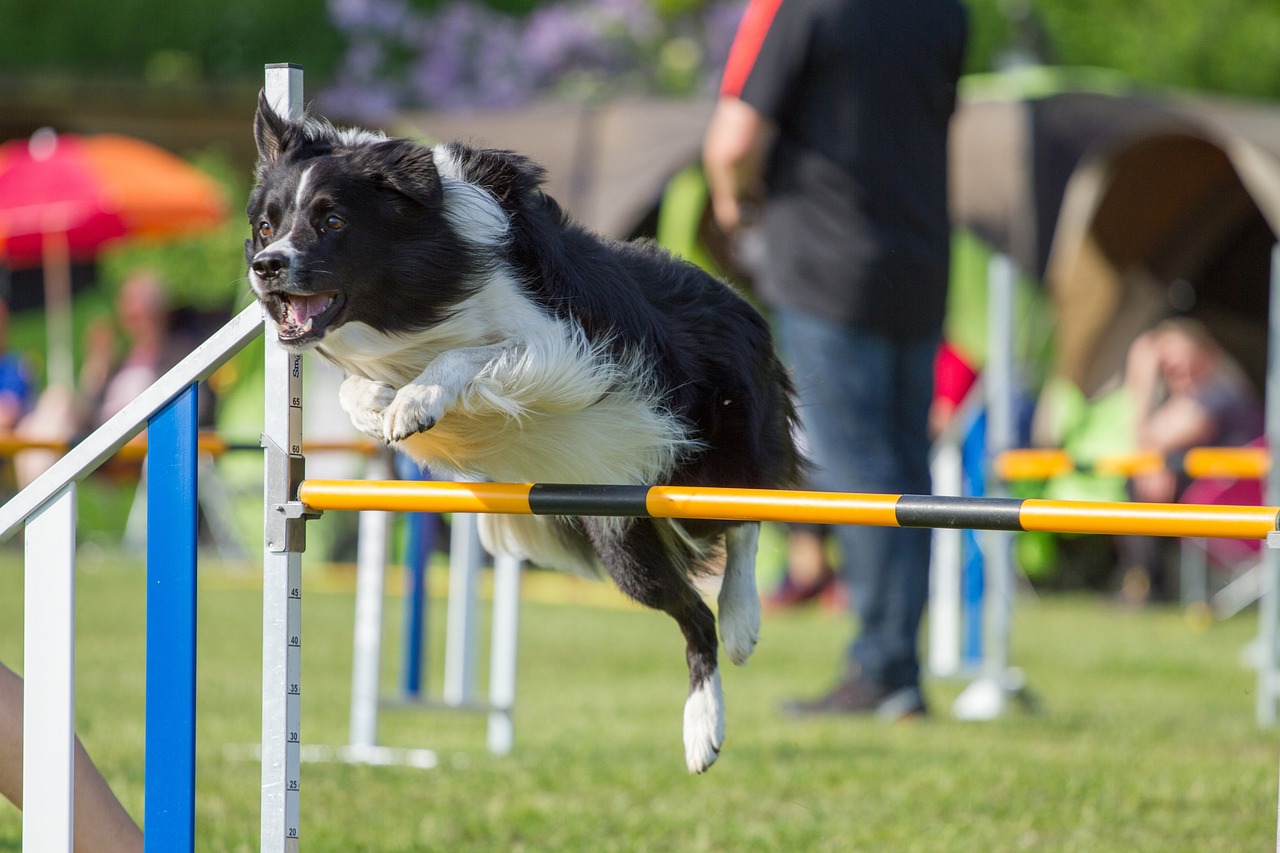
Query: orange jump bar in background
x,y
1198,462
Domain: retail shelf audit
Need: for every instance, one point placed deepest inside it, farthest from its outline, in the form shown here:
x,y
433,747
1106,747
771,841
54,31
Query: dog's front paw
x,y
703,724
364,401
416,408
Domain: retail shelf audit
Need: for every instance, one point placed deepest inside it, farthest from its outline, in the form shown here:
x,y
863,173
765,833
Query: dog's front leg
x,y
420,404
364,400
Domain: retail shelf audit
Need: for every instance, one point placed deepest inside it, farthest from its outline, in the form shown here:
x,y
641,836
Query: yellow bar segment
x,y
1129,464
772,505
1033,464
416,496
10,445
1227,462
1248,463
1148,519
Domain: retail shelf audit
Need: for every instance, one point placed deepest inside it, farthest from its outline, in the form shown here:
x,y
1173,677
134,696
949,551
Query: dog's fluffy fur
x,y
485,333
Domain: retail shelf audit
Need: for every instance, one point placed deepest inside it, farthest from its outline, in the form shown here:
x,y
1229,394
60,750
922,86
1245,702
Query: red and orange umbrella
x,y
68,196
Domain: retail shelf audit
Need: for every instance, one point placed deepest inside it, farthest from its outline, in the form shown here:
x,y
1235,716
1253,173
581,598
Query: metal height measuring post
x,y
285,540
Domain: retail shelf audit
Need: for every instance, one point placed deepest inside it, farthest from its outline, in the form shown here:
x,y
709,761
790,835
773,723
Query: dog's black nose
x,y
268,265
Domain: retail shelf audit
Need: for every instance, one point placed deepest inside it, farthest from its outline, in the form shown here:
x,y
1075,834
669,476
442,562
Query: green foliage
x,y
163,41
205,271
1223,46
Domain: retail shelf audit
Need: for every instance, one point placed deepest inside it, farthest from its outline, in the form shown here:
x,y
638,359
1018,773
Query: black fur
x,y
400,266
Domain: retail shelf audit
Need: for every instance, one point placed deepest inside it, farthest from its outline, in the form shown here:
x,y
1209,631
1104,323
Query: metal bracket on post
x,y
287,517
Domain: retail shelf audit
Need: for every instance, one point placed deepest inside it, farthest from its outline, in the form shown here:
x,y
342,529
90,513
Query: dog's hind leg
x,y
739,601
646,570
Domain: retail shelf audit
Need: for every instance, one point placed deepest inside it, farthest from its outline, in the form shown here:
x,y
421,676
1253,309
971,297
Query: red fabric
x,y
953,376
756,21
94,190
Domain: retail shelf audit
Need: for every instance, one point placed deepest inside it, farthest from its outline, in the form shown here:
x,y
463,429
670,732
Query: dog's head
x,y
347,227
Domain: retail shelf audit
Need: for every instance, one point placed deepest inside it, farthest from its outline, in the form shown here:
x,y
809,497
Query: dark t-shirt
x,y
862,91
1235,409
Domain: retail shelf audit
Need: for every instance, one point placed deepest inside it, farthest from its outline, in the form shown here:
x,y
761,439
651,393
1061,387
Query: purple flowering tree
x,y
466,55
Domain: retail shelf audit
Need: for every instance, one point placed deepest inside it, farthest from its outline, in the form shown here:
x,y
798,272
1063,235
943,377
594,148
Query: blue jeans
x,y
864,405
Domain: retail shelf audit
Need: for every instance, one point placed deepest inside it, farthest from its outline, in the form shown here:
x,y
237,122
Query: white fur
x,y
704,724
300,199
472,211
739,602
534,538
419,405
283,246
509,408
364,400
347,137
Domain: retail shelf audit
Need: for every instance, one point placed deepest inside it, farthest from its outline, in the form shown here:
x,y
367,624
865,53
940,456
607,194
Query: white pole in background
x,y
985,698
371,561
502,653
1269,605
465,555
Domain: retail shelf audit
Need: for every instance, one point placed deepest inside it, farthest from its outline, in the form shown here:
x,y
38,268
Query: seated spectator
x,y
107,382
16,391
1186,391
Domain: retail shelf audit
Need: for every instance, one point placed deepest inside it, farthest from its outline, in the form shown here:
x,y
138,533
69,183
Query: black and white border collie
x,y
483,332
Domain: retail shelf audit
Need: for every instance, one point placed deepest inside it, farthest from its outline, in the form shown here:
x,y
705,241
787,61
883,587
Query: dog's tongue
x,y
299,309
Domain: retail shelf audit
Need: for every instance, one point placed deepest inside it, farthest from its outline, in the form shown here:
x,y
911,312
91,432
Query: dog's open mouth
x,y
305,317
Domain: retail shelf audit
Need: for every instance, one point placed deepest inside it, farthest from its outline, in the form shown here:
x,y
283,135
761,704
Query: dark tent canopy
x,y
1128,206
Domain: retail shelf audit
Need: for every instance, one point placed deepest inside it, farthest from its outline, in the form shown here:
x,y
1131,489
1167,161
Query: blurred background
x,y
1125,156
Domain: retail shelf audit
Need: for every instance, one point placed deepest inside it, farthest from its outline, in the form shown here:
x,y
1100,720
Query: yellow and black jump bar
x,y
1015,514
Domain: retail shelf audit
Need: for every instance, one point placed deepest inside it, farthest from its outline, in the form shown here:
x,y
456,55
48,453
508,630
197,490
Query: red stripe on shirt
x,y
756,21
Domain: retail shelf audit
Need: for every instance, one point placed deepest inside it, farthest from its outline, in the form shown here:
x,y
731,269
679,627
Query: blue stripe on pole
x,y
420,528
171,627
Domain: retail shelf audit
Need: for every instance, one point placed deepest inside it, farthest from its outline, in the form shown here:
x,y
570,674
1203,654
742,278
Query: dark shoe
x,y
859,696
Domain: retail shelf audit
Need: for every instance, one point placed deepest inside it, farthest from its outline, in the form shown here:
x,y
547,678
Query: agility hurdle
x,y
47,508
690,502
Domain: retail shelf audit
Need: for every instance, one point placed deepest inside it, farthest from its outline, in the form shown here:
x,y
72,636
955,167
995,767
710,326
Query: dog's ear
x,y
406,167
270,131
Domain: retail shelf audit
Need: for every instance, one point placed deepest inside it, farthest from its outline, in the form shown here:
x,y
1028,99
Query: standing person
x,y
1186,392
831,127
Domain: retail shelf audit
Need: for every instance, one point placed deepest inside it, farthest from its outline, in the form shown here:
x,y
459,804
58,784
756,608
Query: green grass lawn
x,y
1144,740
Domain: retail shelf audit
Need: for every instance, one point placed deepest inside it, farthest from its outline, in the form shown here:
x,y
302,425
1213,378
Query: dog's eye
x,y
333,222
265,230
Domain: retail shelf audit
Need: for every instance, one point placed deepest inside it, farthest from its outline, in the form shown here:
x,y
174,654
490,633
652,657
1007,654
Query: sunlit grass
x,y
1145,738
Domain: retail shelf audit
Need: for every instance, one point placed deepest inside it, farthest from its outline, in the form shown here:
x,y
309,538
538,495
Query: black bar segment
x,y
556,499
959,513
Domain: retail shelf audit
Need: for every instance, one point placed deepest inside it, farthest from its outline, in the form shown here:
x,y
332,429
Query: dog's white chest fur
x,y
504,391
